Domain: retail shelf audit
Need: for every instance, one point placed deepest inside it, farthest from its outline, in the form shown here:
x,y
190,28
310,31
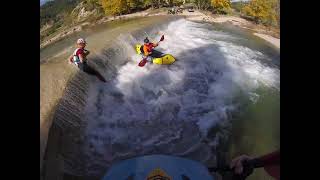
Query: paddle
x,y
162,38
144,61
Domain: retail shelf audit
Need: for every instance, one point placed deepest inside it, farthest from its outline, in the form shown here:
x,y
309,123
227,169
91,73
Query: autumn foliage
x,y
263,11
220,6
119,7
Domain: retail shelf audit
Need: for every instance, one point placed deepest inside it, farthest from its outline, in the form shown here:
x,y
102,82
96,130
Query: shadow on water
x,y
91,71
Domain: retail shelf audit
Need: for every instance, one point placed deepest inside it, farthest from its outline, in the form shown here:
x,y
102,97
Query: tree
x,y
178,2
220,6
148,3
262,11
174,2
202,4
154,3
160,3
238,5
115,7
134,4
277,8
54,11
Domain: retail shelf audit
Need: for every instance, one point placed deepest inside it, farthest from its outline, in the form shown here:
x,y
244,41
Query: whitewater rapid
x,y
161,109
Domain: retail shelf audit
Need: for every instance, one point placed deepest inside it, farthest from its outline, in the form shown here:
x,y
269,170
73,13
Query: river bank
x,y
71,30
268,34
272,40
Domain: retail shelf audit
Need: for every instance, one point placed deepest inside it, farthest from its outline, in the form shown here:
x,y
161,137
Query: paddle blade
x,y
142,62
162,38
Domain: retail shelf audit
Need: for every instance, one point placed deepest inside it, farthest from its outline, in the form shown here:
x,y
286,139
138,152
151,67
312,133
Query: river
x,y
219,99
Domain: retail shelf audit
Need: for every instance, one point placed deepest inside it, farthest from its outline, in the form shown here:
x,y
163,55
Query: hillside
x,y
61,14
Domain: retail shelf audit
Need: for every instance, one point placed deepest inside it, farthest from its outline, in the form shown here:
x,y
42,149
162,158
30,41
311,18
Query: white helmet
x,y
81,41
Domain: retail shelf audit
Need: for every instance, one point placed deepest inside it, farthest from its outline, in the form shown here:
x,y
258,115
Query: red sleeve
x,y
80,51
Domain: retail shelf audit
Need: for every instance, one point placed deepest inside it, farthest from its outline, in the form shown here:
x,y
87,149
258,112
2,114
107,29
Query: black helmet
x,y
146,40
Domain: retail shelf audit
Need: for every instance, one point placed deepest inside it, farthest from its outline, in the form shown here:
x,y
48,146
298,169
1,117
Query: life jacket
x,y
147,48
76,58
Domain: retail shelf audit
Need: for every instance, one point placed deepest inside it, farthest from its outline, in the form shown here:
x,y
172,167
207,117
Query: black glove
x,y
247,171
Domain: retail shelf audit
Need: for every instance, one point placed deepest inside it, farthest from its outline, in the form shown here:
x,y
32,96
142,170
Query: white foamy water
x,y
168,109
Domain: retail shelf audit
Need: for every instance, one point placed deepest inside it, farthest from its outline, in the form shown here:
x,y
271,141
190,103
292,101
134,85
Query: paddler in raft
x,y
147,50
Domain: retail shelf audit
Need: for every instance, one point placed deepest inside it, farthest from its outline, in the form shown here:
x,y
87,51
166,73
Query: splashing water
x,y
169,109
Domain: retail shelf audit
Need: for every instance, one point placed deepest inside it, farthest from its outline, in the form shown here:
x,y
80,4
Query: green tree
x,y
149,3
154,3
92,4
55,11
202,4
220,6
237,5
160,3
277,8
178,2
174,2
134,4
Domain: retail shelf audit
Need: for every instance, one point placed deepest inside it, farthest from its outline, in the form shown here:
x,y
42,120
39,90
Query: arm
x,y
267,161
81,57
86,52
70,59
237,163
262,161
270,163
